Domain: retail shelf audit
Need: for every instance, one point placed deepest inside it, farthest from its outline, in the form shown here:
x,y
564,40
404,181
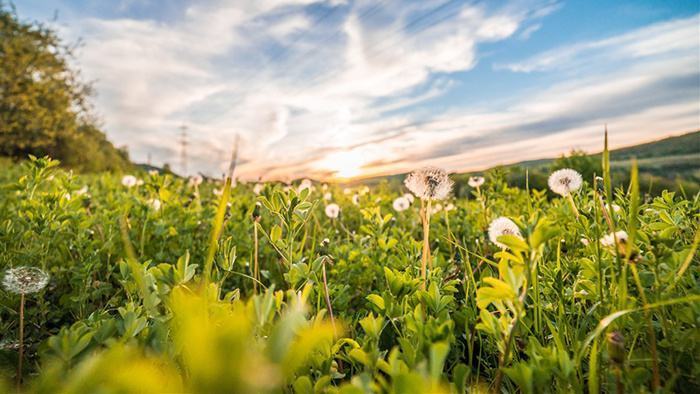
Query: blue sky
x,y
343,88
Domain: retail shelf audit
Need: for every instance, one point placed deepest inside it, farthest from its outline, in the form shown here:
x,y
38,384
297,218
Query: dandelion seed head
x,y
332,211
410,197
565,181
155,204
305,184
401,204
24,280
258,188
356,199
327,196
502,226
609,240
82,191
195,180
129,181
476,181
616,208
429,183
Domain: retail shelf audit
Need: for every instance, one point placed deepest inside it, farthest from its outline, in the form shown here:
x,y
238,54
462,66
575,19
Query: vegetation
x,y
43,103
169,285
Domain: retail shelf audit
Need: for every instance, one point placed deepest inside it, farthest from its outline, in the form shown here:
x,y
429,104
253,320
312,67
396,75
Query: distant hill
x,y
671,163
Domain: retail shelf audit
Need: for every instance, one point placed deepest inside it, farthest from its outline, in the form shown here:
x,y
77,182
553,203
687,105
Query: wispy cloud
x,y
313,88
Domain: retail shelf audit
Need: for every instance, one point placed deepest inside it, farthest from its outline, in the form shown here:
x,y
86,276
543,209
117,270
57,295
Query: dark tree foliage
x,y
43,103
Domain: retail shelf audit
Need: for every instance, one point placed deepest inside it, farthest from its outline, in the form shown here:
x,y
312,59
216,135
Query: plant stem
x,y
328,298
573,204
656,380
21,342
256,270
425,257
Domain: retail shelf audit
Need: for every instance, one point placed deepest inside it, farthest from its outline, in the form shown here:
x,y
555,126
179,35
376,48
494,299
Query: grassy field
x,y
162,284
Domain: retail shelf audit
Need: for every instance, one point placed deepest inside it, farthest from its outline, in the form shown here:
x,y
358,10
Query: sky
x,y
340,89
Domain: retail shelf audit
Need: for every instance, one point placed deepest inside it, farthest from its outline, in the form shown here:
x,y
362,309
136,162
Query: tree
x,y
43,103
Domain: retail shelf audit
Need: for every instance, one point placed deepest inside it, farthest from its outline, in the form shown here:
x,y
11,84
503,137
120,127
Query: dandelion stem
x,y
256,270
573,204
327,295
21,341
425,258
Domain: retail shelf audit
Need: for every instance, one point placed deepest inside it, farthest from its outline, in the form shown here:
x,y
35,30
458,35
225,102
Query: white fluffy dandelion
x,y
410,197
356,199
327,196
305,184
476,181
565,181
332,211
502,226
258,188
616,208
129,181
82,191
195,180
609,240
155,204
450,207
429,183
401,204
24,280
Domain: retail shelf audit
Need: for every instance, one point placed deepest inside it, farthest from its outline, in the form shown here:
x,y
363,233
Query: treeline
x,y
44,107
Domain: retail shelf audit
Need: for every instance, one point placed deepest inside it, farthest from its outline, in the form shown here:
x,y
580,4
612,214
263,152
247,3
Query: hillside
x,y
671,163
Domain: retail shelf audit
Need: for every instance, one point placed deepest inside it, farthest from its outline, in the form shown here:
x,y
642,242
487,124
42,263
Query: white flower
x,y
401,204
476,181
410,197
584,241
502,226
305,184
449,207
153,172
616,208
327,196
195,180
155,204
82,191
435,209
356,199
258,188
609,240
332,210
429,183
565,181
129,181
25,280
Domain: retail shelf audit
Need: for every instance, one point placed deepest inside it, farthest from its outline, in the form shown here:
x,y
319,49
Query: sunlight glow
x,y
345,165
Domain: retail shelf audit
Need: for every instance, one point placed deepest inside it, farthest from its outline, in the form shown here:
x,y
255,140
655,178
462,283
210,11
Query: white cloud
x,y
303,94
666,38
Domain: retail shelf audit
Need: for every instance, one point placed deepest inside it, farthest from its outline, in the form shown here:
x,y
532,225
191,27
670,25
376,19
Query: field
x,y
164,284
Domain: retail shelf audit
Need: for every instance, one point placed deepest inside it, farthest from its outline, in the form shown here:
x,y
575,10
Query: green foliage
x,y
43,103
153,297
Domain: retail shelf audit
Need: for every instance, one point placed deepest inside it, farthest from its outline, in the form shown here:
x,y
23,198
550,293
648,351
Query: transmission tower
x,y
183,149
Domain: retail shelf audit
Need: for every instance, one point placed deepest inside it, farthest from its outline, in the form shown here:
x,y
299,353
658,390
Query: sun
x,y
345,165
